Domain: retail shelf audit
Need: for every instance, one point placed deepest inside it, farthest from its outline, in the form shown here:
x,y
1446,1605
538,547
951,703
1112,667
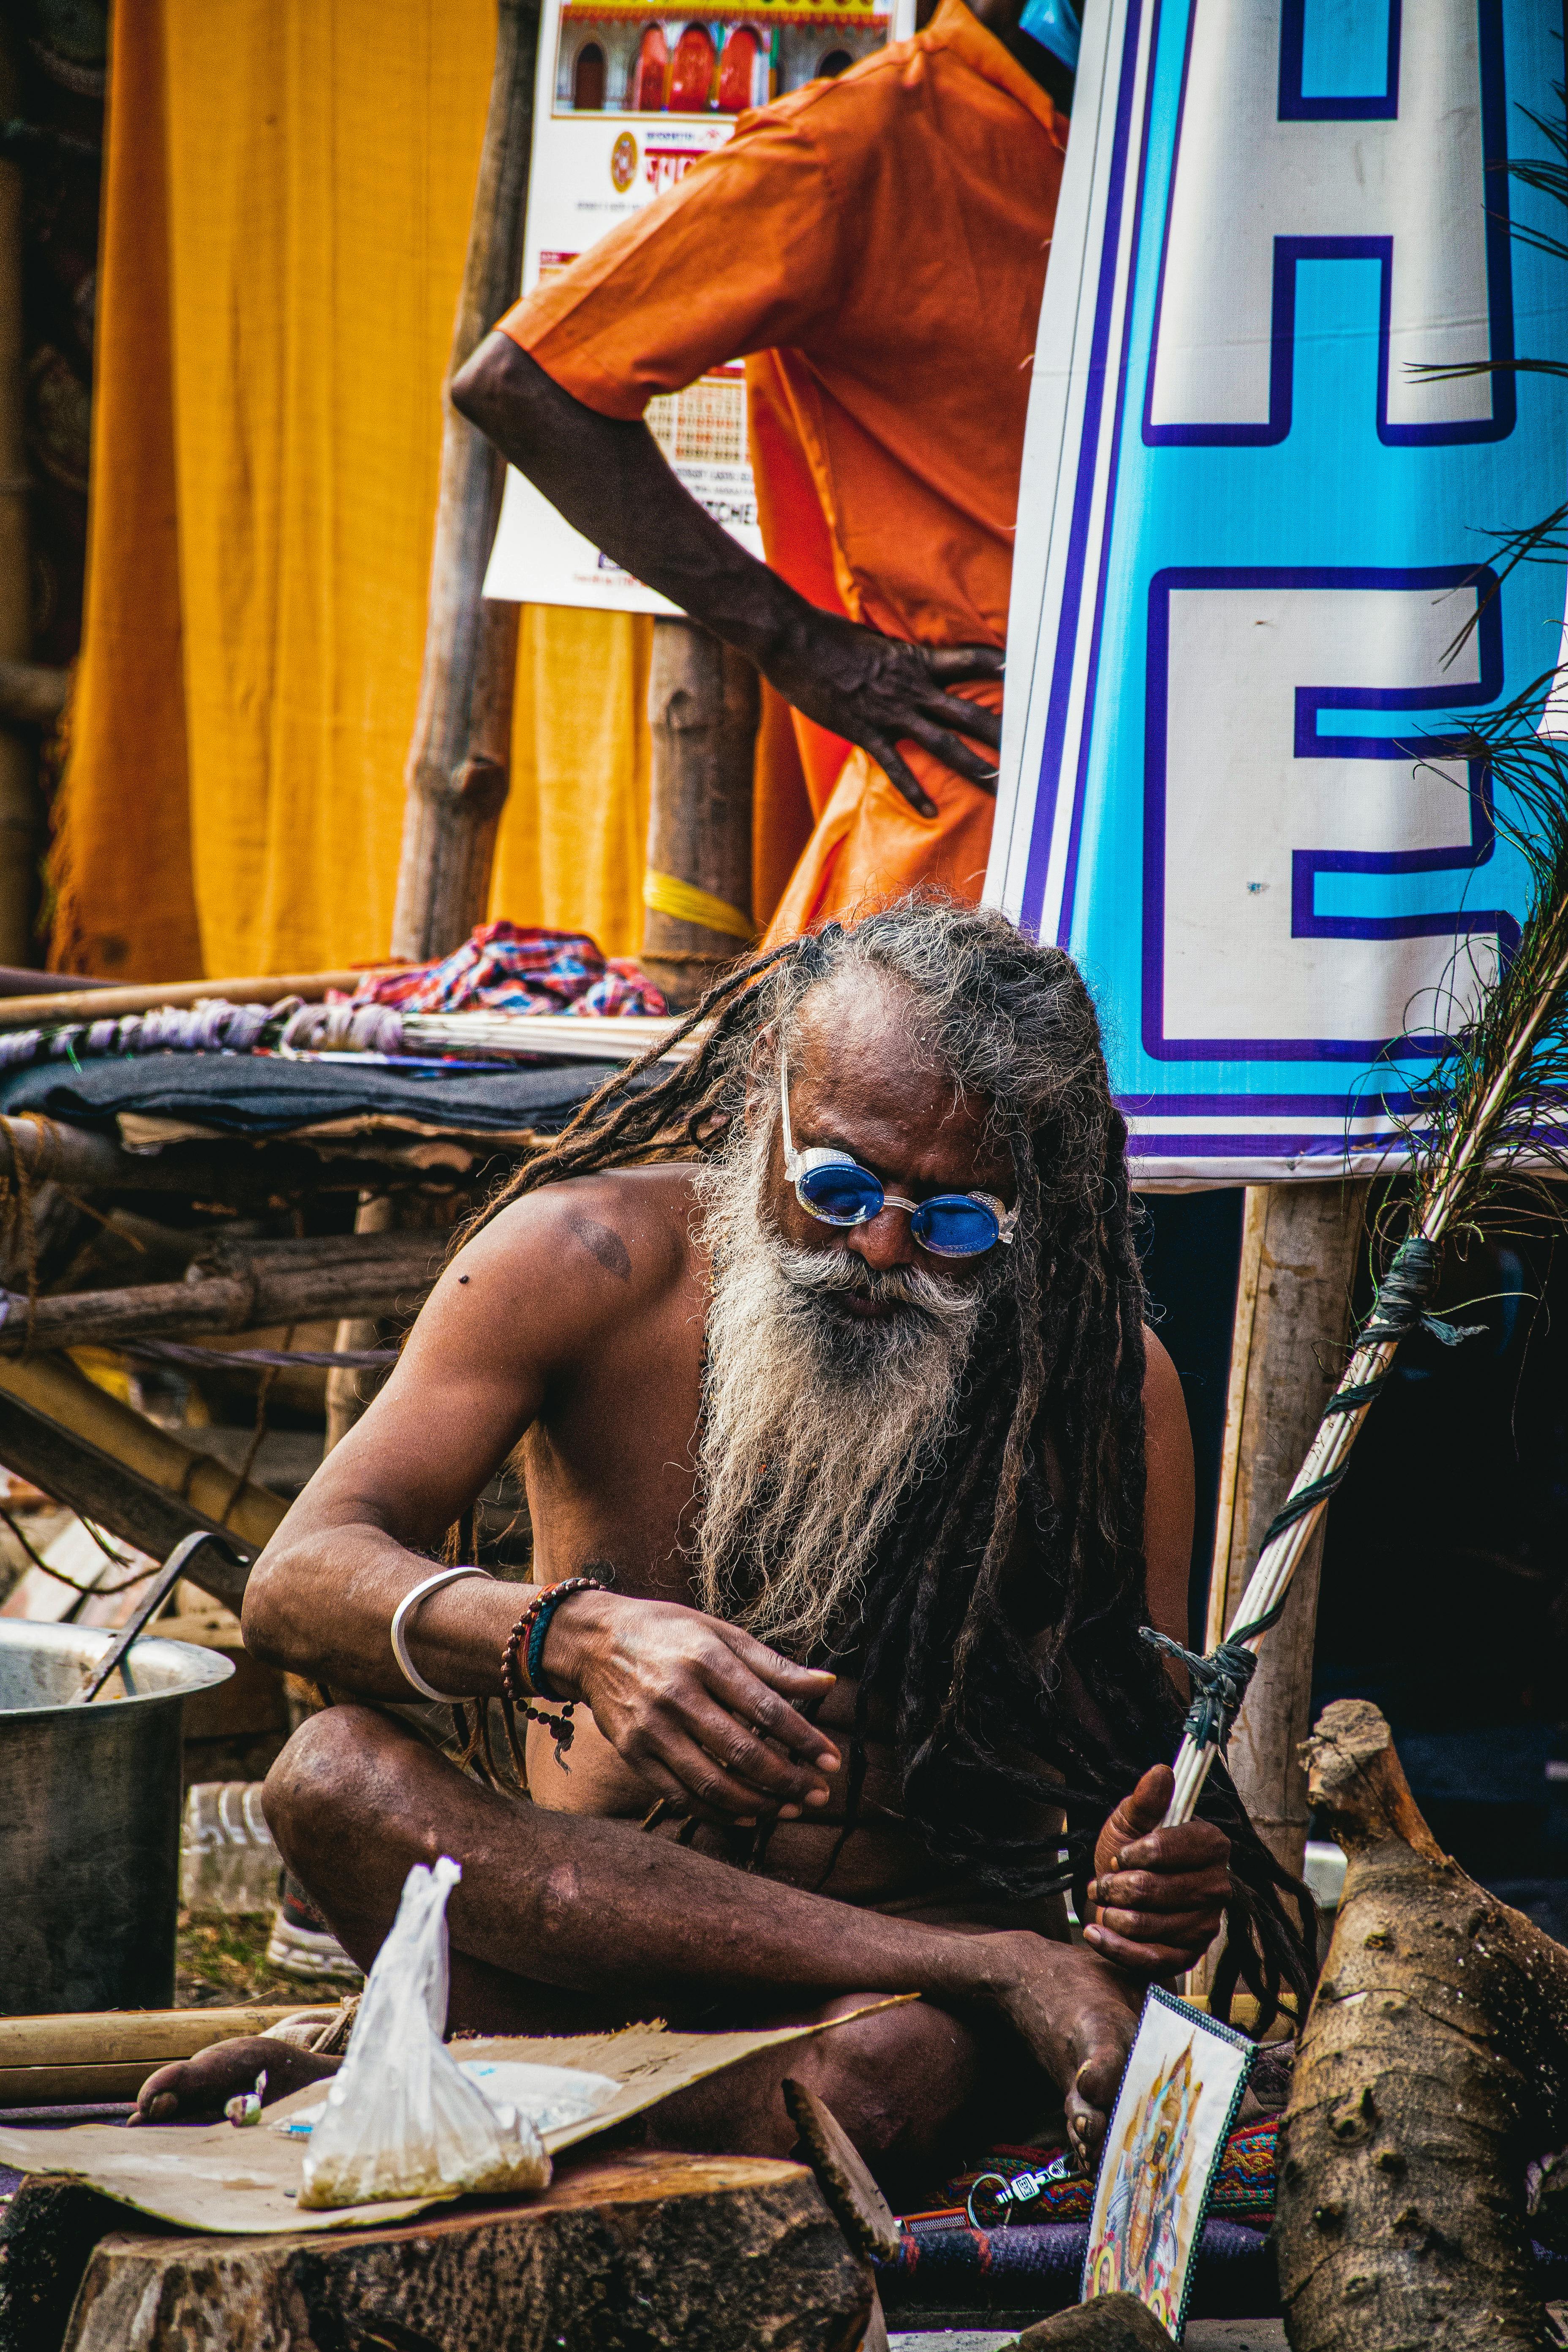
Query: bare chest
x,y
610,1464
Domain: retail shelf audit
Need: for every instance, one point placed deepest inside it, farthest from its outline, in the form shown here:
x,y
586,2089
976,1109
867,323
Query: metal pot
x,y
89,1819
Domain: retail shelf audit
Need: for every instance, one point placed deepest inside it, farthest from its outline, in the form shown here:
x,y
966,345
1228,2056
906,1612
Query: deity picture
x,y
1184,2077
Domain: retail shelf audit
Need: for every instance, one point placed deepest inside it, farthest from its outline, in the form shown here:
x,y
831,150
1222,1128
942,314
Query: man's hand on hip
x,y
608,476
701,1711
1159,1895
881,691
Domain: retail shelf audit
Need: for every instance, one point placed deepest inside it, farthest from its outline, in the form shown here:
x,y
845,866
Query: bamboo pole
x,y
1299,1248
704,708
53,1386
109,1003
458,761
108,2054
19,812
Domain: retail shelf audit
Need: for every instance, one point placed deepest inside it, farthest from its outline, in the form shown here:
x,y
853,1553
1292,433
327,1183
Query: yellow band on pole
x,y
685,903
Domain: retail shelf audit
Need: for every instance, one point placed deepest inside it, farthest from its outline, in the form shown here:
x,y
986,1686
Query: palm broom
x,y
1474,1125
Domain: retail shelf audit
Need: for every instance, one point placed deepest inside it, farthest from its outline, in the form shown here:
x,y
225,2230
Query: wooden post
x,y
1299,1252
704,707
19,812
458,761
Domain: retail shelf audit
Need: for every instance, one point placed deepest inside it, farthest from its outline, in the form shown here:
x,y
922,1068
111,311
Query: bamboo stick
x,y
20,812
1442,1198
108,2054
108,1004
458,761
52,1387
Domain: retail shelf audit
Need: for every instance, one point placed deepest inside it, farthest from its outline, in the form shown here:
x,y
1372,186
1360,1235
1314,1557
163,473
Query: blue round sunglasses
x,y
837,1190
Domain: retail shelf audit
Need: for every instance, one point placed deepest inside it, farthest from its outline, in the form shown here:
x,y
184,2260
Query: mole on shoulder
x,y
601,1243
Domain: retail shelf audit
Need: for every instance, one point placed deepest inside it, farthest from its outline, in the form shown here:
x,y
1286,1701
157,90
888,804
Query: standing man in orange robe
x,y
875,249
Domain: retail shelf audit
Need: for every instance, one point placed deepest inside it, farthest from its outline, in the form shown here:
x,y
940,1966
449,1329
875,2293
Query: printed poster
x,y
1260,561
627,102
1182,2086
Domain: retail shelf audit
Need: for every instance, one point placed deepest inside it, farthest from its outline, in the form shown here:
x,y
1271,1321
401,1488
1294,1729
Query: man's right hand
x,y
609,478
706,1715
881,691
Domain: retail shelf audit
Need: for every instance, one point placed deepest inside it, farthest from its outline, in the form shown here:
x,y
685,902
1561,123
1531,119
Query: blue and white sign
x,y
1258,510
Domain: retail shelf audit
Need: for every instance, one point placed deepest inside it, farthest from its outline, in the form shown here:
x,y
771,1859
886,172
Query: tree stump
x,y
1433,2066
624,2253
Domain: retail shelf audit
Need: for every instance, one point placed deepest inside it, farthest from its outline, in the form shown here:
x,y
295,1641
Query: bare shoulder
x,y
620,1236
1165,1405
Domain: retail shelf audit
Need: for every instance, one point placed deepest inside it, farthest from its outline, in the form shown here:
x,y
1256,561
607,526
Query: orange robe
x,y
875,249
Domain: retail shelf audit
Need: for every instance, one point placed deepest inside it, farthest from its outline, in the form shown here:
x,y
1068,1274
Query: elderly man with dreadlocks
x,y
822,1353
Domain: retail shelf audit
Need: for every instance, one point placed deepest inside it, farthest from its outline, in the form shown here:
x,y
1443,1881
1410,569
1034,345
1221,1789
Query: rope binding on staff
x,y
1220,1679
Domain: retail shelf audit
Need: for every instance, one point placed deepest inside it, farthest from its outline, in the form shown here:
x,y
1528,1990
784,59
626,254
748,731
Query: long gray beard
x,y
817,1420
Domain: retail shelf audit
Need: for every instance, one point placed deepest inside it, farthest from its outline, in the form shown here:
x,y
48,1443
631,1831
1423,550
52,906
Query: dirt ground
x,y
222,1963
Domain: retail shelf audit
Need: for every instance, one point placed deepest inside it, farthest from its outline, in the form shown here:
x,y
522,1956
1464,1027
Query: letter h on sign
x,y
1269,174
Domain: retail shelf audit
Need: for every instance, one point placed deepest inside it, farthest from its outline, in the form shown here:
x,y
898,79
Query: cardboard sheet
x,y
213,2177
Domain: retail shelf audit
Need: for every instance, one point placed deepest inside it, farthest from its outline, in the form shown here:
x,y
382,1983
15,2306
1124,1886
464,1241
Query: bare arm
x,y
608,478
681,1695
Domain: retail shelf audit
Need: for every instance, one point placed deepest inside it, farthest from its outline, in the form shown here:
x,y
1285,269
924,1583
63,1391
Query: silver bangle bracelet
x,y
404,1610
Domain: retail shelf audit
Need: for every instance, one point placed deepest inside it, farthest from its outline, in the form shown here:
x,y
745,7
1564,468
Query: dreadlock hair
x,y
990,1590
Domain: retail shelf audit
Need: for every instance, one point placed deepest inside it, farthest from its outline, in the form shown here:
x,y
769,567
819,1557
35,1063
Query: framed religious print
x,y
1182,2084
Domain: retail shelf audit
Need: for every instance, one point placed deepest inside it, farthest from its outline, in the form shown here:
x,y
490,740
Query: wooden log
x,y
21,814
1299,1248
108,1004
623,2254
459,758
1433,2066
240,1173
31,693
108,2054
233,1288
704,706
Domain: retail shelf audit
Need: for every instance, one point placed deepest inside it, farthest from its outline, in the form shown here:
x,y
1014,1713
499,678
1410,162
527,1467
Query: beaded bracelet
x,y
521,1670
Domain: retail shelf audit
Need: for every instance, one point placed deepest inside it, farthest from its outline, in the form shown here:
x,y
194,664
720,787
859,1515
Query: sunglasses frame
x,y
798,1165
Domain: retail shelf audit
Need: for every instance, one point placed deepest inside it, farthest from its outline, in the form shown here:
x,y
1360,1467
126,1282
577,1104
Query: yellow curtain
x,y
286,209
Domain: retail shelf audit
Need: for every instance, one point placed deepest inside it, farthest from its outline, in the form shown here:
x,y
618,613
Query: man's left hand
x,y
1159,1895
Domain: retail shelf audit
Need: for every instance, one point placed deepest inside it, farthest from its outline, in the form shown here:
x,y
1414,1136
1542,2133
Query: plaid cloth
x,y
509,968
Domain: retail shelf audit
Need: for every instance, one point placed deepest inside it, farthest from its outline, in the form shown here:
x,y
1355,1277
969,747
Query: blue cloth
x,y
261,1095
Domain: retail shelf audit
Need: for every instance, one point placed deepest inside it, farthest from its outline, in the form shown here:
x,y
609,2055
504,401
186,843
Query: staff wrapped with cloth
x,y
824,1356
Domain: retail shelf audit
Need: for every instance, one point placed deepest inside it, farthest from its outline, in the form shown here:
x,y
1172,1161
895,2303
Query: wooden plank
x,y
1301,1245
650,2250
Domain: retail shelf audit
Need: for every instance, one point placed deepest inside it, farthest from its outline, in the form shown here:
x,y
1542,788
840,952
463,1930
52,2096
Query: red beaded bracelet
x,y
522,1676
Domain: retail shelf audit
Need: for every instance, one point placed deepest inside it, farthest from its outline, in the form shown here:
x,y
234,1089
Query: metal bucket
x,y
89,1819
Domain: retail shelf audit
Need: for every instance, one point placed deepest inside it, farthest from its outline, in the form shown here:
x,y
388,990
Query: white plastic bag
x,y
402,2120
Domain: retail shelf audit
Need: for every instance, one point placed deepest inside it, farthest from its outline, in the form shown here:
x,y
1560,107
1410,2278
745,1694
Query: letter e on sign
x,y
1299,862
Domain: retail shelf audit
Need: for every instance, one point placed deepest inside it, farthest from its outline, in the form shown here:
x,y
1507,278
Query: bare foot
x,y
204,2085
1079,2015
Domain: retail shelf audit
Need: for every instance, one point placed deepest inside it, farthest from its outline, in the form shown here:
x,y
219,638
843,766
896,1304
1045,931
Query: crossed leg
x,y
566,1923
